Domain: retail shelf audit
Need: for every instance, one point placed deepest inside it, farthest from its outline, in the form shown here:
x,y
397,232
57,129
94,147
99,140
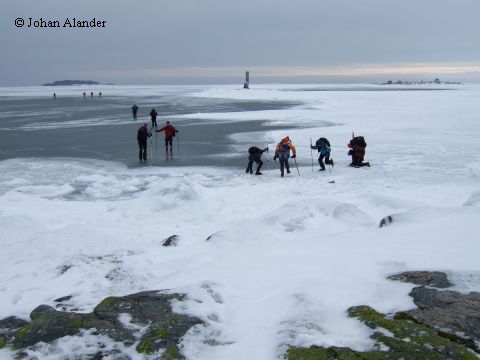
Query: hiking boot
x,y
258,173
281,174
246,171
367,164
321,170
288,171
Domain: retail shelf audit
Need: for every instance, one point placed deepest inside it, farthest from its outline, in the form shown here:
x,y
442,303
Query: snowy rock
x,y
385,221
394,339
449,311
426,278
8,327
63,298
171,241
152,325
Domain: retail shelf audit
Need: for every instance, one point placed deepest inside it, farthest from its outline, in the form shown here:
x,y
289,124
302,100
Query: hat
x,y
145,125
285,139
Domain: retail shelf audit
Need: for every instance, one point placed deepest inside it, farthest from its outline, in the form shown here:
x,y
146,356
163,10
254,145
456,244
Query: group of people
x,y
84,94
283,149
153,115
91,94
143,134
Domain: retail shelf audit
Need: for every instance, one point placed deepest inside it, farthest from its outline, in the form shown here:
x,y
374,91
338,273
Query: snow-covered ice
x,y
286,256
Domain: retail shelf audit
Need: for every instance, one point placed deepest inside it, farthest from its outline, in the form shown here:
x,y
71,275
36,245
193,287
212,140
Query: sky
x,y
216,41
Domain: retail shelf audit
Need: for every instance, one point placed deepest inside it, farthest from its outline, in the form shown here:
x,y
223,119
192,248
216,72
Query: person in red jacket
x,y
170,132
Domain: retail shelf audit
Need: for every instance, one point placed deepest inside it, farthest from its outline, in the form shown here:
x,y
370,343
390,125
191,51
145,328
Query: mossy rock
x,y
409,341
3,342
150,308
150,342
157,340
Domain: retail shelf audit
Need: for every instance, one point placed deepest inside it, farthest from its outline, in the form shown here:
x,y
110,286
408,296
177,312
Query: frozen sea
x,y
286,257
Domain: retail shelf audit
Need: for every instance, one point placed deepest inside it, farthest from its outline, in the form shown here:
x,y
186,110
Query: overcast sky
x,y
215,41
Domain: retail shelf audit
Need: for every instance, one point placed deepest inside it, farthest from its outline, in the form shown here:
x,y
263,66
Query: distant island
x,y
434,82
72,82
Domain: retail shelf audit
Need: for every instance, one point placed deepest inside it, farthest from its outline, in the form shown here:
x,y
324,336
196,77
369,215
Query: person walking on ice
x,y
255,154
153,116
134,111
142,135
170,132
323,147
282,152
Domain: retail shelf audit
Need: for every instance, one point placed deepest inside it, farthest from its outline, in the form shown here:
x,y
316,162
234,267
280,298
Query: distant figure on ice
x,y
142,135
323,147
255,154
91,93
153,116
357,147
170,132
134,111
282,152
100,94
84,95
54,95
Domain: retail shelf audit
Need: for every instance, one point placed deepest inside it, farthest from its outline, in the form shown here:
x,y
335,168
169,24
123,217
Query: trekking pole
x,y
296,166
178,143
151,144
268,160
311,152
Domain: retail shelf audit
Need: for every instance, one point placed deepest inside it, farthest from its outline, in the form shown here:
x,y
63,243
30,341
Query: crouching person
x,y
255,154
357,147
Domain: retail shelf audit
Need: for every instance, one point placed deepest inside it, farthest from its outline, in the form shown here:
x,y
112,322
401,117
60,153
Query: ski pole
x,y
151,144
268,160
311,152
296,165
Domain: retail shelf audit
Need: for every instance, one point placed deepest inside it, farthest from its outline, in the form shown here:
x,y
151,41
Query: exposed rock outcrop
x,y
150,311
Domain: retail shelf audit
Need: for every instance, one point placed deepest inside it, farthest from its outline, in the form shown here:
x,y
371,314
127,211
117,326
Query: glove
x,y
275,158
313,147
266,149
294,156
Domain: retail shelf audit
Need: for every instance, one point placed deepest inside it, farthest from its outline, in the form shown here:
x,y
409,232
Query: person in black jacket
x,y
134,111
153,115
255,154
142,135
357,147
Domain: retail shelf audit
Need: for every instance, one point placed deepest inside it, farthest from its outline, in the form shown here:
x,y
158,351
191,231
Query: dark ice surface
x,y
103,128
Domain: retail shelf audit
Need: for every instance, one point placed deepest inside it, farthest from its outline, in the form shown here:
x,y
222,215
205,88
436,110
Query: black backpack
x,y
358,141
254,150
324,140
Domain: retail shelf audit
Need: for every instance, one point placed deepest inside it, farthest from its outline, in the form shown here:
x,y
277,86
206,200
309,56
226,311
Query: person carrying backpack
x,y
282,152
153,116
323,147
255,154
142,135
134,111
357,147
170,132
